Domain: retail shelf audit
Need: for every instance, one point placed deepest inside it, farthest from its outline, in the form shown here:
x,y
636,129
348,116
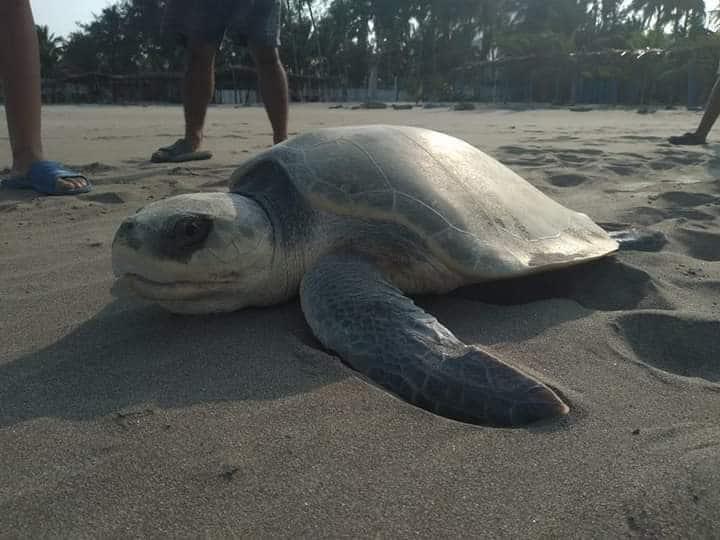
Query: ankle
x,y
278,138
22,161
194,139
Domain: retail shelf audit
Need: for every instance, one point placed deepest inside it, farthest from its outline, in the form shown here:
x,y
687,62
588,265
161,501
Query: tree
x,y
422,42
50,47
682,15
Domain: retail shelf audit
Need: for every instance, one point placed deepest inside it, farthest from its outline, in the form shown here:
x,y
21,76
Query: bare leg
x,y
20,74
198,88
274,89
20,70
712,111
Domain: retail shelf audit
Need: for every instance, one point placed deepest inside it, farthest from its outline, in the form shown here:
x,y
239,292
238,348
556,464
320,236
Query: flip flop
x,y
177,152
687,138
43,177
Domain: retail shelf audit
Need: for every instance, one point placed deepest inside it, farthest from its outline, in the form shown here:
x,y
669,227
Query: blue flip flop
x,y
43,177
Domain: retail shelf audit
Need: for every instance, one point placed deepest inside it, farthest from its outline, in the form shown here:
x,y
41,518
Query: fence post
x,y
691,83
372,82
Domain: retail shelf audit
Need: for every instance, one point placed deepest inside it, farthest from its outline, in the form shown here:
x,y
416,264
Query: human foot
x,y
687,139
49,178
180,150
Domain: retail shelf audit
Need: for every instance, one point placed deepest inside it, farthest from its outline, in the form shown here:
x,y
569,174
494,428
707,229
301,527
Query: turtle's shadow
x,y
609,284
127,356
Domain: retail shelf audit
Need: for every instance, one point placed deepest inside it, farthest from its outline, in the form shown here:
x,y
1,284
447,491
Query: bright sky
x,y
60,16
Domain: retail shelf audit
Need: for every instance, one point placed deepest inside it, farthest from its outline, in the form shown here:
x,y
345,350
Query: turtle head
x,y
196,253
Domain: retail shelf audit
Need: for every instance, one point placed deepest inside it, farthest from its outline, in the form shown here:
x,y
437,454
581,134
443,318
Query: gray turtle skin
x,y
354,220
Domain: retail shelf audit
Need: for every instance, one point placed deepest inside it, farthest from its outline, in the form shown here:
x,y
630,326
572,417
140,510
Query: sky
x,y
60,16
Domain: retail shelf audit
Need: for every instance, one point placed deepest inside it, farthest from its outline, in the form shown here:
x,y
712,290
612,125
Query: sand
x,y
120,420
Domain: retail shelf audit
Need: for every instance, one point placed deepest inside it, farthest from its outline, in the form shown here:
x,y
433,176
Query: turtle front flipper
x,y
355,311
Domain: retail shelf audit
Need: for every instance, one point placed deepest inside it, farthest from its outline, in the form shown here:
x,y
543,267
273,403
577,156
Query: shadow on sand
x,y
126,355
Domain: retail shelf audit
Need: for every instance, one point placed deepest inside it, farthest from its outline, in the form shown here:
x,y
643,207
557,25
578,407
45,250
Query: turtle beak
x,y
128,234
125,246
122,290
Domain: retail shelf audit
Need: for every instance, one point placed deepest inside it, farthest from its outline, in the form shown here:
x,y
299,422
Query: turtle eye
x,y
191,230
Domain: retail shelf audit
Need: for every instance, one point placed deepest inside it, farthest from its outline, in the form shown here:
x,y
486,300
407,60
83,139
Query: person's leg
x,y
20,74
712,111
198,88
261,26
274,89
198,27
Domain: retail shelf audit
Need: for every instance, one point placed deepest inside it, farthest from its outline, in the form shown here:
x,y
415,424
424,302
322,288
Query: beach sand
x,y
121,420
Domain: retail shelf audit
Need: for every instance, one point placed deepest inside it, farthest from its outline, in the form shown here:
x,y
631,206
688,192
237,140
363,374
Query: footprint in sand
x,y
95,168
647,215
700,244
572,158
104,198
539,162
661,165
624,169
685,198
674,205
692,215
567,180
529,156
683,158
524,156
682,345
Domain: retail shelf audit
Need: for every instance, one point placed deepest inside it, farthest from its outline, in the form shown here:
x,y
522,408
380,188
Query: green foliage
x,y
50,47
423,43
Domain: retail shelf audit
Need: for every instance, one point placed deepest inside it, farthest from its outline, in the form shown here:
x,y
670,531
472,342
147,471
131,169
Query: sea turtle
x,y
354,219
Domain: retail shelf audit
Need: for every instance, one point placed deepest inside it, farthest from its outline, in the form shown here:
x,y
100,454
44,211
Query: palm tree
x,y
714,18
50,47
681,14
424,43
